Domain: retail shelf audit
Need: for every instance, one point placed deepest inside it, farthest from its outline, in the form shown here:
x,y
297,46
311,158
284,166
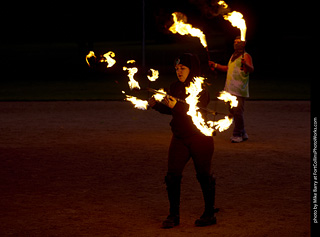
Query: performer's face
x,y
238,44
182,72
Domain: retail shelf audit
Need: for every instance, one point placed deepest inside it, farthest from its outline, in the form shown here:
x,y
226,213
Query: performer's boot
x,y
173,183
208,186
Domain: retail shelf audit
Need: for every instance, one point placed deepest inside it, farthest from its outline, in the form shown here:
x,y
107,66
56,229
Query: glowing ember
x,y
180,26
139,104
159,95
132,82
131,61
109,58
155,75
90,55
227,97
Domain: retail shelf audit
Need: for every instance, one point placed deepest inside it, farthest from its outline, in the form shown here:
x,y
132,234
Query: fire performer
x,y
237,83
187,142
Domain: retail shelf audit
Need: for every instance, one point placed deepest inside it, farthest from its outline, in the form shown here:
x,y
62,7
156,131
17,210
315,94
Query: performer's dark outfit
x,y
188,142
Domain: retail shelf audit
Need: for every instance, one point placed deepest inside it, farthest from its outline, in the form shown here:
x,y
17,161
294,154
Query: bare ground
x,y
97,169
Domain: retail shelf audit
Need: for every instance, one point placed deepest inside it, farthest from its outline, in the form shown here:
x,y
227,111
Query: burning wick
x,y
180,26
109,58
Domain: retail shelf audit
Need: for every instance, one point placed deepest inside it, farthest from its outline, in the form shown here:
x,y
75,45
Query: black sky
x,y
278,31
122,20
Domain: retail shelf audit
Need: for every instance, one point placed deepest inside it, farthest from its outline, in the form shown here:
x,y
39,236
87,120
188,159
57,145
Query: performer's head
x,y
239,45
187,67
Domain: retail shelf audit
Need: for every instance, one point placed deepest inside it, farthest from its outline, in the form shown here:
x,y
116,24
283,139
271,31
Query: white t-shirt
x,y
237,82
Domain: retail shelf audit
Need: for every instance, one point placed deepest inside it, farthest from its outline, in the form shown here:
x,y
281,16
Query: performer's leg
x,y
177,159
208,187
202,151
237,112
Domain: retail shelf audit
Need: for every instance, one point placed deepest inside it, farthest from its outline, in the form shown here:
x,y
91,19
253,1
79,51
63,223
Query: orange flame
x,y
132,82
139,104
155,75
207,128
236,19
109,58
193,90
90,55
181,27
223,124
222,3
225,96
160,95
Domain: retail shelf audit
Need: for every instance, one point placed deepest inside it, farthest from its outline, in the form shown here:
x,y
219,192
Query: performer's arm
x,y
213,66
246,61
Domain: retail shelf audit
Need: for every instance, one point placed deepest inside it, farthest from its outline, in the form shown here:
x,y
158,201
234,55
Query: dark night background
x,y
279,35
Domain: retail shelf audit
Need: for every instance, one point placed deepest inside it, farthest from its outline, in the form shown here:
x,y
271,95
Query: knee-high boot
x,y
208,186
173,183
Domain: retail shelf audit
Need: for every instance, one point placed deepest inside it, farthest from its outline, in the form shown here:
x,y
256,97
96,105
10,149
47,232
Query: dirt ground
x,y
97,169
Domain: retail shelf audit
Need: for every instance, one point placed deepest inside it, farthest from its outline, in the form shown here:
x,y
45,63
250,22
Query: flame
x,y
132,82
160,95
207,128
225,96
181,27
223,124
139,104
222,3
155,75
236,19
131,61
109,58
90,55
193,98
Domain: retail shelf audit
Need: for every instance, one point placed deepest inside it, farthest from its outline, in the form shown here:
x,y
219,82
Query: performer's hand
x,y
243,61
170,101
152,102
212,65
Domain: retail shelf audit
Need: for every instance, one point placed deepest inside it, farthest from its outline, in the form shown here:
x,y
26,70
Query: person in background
x,y
237,83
